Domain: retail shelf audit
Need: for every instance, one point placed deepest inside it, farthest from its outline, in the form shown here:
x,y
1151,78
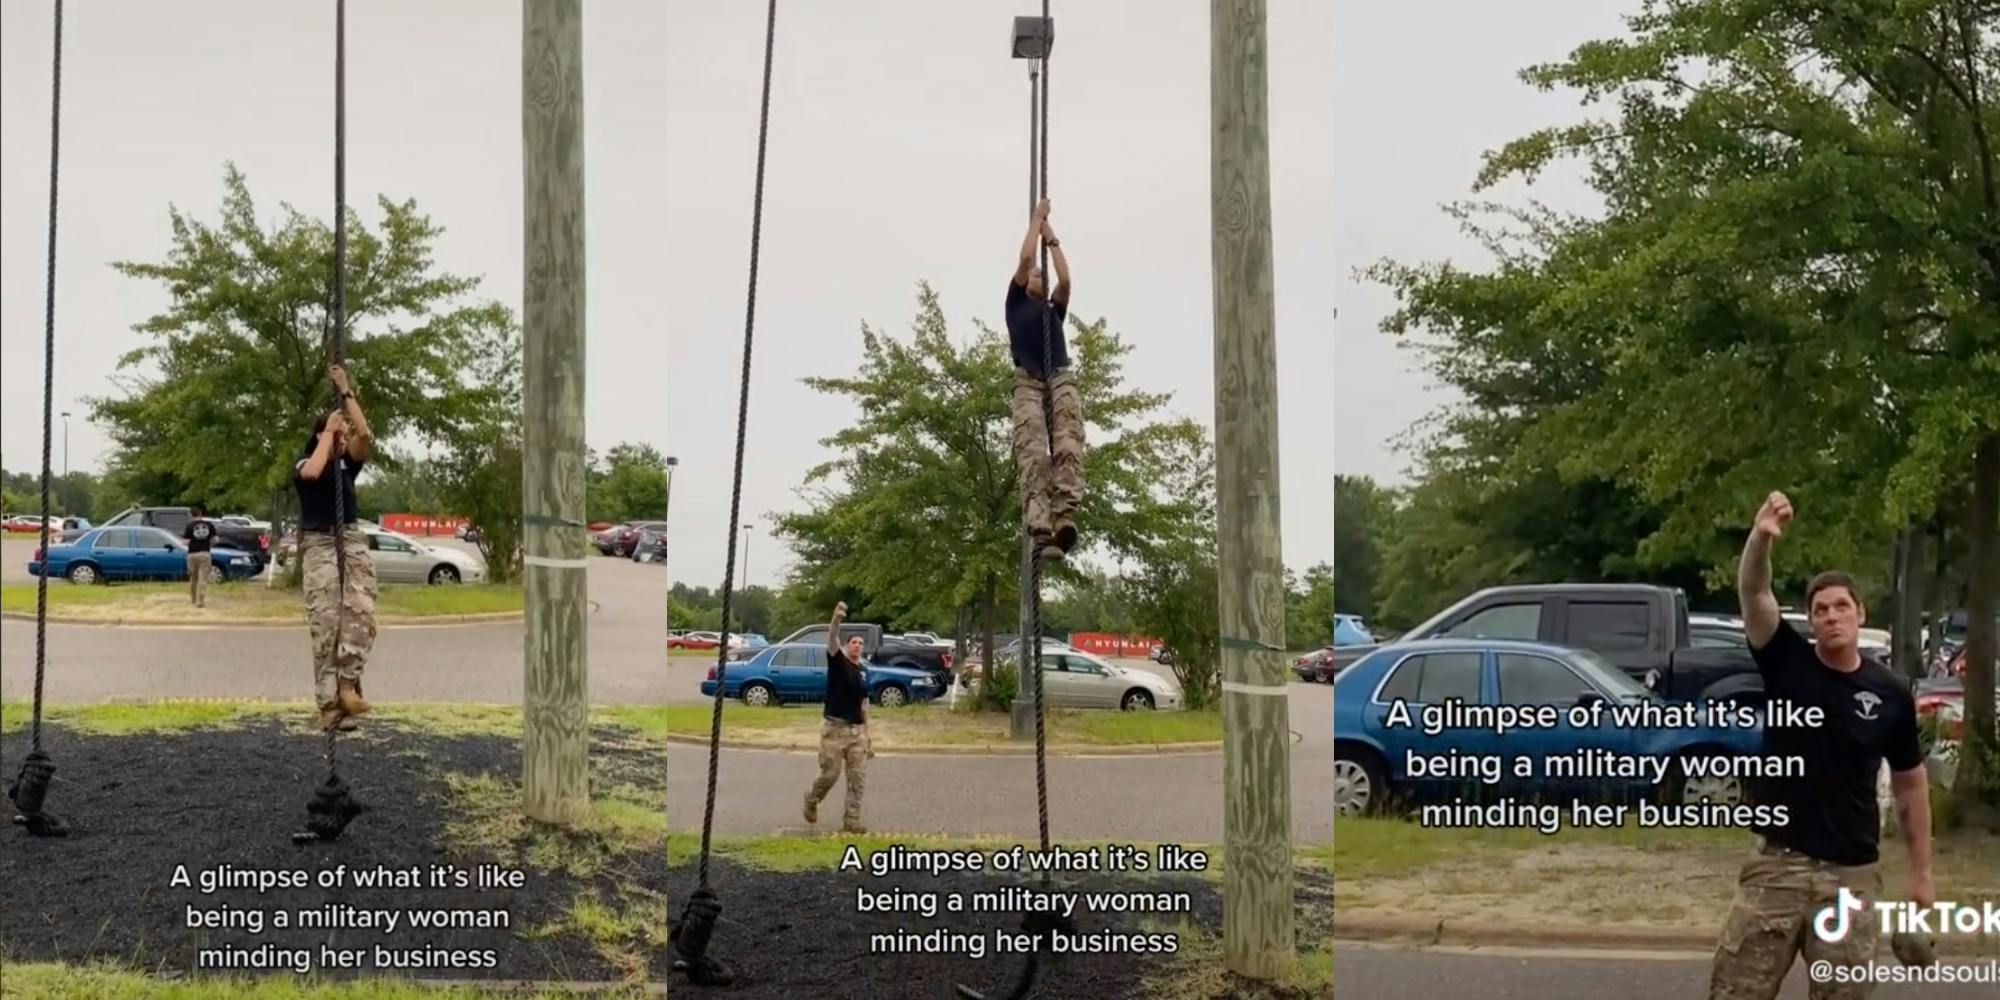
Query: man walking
x,y
843,735
200,538
1826,854
1049,452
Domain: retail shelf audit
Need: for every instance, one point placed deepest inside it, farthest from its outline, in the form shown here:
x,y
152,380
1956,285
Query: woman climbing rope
x,y
342,620
1049,451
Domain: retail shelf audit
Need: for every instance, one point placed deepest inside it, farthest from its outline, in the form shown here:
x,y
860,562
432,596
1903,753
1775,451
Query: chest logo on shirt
x,y
1865,702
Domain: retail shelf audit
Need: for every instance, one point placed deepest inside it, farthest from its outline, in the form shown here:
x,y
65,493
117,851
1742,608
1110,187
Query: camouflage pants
x,y
842,743
1778,894
1050,455
329,611
198,563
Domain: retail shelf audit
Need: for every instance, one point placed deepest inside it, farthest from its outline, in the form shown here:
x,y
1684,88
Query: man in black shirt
x,y
1831,840
200,537
1049,452
342,620
843,735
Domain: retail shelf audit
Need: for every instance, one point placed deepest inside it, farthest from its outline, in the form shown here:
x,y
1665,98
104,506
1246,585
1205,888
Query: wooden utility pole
x,y
555,713
1257,926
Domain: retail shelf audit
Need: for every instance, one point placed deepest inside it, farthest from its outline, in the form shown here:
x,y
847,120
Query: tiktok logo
x,y
1831,924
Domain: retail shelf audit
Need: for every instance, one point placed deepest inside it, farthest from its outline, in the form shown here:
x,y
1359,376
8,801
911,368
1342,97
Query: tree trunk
x,y
1258,925
1908,650
555,713
1983,579
989,622
1939,590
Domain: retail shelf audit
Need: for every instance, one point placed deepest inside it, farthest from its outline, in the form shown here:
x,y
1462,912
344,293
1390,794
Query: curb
x,y
977,749
397,621
1439,931
1431,930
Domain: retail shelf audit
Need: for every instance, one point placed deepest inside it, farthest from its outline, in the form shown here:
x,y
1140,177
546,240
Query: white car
x,y
1879,641
402,559
1077,679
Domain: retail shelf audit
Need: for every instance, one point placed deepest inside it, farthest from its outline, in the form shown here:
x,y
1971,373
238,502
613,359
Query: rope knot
x,y
30,790
691,937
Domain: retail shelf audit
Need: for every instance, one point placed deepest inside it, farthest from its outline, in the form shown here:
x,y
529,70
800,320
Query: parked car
x,y
629,538
752,640
1315,666
877,646
1641,629
702,640
401,559
245,521
1350,630
606,541
101,554
796,672
1371,757
651,546
1076,679
256,545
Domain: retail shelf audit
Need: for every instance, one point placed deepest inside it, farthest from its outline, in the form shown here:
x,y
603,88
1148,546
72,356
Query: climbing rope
x,y
1040,924
332,806
697,924
31,786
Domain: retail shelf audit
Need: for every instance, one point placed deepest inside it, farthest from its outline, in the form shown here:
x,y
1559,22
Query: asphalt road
x,y
1371,973
444,663
1165,797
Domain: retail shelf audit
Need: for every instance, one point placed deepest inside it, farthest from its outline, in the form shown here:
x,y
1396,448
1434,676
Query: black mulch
x,y
140,805
797,934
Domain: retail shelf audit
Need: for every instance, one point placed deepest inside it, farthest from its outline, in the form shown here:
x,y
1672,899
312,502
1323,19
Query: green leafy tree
x,y
215,405
1363,513
920,514
1309,605
1795,284
631,485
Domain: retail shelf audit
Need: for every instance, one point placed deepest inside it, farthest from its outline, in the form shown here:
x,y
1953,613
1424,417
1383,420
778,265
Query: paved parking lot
x,y
447,663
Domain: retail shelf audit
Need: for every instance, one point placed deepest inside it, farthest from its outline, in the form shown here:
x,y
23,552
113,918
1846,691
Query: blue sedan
x,y
1350,630
796,672
140,553
1374,760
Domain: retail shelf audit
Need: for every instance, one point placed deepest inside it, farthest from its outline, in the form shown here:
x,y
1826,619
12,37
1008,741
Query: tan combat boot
x,y
350,697
330,716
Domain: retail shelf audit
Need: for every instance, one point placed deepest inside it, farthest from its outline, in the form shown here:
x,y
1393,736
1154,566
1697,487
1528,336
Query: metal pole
x,y
667,549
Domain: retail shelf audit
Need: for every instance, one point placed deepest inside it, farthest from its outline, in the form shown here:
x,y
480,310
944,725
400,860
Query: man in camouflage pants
x,y
1049,452
843,734
1829,839
342,621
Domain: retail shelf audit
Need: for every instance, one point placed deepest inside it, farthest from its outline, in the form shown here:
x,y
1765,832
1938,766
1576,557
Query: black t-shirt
x,y
1869,716
1024,330
199,534
844,690
316,496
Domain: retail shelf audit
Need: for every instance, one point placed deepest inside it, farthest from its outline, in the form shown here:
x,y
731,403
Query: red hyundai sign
x,y
424,525
1105,644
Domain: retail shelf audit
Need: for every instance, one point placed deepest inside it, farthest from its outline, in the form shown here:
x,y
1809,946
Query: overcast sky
x,y
899,153
1421,90
157,96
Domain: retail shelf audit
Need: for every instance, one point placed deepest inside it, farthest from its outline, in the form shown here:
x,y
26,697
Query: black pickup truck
x,y
174,520
1641,629
877,646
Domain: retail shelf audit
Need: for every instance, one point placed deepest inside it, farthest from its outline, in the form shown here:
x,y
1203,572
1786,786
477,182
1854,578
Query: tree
x,y
630,485
216,405
1795,283
1362,513
74,495
1309,606
919,515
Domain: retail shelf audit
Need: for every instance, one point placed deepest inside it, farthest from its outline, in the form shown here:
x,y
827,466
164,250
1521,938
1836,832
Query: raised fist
x,y
1774,515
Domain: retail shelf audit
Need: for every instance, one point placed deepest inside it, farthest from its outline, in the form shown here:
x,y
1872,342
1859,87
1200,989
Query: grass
x,y
934,725
55,981
1197,971
167,602
795,853
624,928
1364,847
645,723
